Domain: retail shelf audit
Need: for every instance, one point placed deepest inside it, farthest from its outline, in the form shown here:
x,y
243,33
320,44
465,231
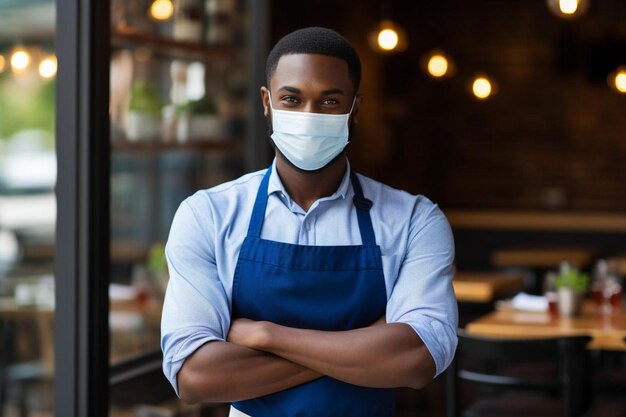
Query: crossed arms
x,y
261,358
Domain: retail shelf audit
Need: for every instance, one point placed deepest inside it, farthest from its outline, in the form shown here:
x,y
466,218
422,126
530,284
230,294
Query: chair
x,y
511,375
19,380
609,385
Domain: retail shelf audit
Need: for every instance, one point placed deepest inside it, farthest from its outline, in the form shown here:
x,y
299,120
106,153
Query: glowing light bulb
x,y
568,9
161,9
20,60
2,63
48,67
388,39
568,6
620,81
481,87
437,66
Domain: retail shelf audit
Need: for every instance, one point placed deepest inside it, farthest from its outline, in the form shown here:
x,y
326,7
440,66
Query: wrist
x,y
264,335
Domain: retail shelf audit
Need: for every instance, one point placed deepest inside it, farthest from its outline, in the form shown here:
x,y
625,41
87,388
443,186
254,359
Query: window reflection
x,y
27,207
178,108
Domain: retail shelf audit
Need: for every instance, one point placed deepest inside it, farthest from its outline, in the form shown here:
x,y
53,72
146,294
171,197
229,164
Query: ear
x,y
265,100
357,107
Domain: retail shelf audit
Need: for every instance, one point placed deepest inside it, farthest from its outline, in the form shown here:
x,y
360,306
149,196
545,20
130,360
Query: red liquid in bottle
x,y
597,294
616,297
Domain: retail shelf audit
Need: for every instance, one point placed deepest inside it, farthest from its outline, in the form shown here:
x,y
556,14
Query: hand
x,y
248,333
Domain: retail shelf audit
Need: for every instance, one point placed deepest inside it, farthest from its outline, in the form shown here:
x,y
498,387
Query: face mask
x,y
309,140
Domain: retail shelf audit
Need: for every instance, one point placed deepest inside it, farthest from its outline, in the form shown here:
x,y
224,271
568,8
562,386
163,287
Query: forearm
x,y
224,372
385,356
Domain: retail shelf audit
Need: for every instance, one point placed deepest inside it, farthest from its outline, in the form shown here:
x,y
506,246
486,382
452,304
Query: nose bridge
x,y
310,106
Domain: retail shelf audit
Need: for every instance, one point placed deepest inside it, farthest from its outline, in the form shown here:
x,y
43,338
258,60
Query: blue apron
x,y
313,287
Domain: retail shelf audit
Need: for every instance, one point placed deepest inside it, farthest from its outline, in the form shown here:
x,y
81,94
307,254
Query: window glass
x,y
27,206
178,103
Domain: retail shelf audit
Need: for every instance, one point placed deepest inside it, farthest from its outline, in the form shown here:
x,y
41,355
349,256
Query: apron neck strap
x,y
363,206
258,211
361,203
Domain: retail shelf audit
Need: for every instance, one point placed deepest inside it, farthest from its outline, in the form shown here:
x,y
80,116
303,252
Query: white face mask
x,y
309,140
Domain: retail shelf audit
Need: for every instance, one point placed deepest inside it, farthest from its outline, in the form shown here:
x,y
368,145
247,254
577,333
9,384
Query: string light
x,y
20,60
161,9
568,6
617,80
48,67
388,37
437,64
483,87
568,9
620,82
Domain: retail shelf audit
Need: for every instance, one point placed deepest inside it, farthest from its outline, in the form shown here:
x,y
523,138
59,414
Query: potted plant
x,y
157,266
198,119
144,112
571,285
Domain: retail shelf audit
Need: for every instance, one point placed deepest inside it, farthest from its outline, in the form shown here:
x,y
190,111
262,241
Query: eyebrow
x,y
295,90
333,91
290,89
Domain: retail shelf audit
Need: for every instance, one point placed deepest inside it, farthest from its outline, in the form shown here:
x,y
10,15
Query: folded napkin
x,y
527,302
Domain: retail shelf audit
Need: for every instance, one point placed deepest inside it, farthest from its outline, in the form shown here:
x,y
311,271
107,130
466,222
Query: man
x,y
305,289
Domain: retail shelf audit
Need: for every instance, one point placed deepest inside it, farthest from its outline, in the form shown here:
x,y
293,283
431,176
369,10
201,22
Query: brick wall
x,y
554,137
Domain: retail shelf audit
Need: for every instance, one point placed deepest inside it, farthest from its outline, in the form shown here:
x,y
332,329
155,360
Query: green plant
x,y
572,278
145,98
201,106
156,258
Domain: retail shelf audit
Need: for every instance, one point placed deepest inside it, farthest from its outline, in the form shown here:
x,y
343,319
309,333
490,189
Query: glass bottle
x,y
219,21
187,25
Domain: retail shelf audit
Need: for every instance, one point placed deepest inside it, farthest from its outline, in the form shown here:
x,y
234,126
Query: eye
x,y
290,100
329,102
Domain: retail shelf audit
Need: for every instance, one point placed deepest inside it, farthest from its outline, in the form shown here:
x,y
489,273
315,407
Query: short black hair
x,y
315,40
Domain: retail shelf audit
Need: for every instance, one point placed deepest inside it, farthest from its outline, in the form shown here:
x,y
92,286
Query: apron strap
x,y
363,206
361,203
258,211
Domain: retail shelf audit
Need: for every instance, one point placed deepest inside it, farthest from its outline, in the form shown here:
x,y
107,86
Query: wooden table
x,y
485,287
125,342
607,331
549,257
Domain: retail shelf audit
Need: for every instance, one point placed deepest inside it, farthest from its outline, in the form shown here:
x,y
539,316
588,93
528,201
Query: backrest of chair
x,y
507,350
481,360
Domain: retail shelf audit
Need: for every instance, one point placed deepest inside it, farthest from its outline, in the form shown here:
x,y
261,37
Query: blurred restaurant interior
x,y
509,114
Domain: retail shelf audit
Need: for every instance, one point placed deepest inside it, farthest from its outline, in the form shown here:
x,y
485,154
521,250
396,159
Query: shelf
x,y
169,48
538,221
157,145
130,252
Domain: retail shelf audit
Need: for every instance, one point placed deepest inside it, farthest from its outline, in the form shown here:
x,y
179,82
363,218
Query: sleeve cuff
x,y
440,341
173,362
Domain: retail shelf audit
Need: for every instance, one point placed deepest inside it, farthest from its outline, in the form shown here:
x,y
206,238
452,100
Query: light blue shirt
x,y
210,226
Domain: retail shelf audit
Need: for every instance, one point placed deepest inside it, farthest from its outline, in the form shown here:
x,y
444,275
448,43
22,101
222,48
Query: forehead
x,y
312,70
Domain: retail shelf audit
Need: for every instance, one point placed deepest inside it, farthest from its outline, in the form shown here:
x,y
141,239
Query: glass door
x,y
182,75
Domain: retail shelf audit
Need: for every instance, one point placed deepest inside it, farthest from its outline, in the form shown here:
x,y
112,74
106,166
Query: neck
x,y
307,187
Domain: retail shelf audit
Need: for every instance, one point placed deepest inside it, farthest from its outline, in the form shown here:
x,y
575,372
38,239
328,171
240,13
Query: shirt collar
x,y
276,185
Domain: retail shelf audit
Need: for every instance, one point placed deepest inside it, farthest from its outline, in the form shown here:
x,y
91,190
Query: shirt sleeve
x,y
196,309
423,296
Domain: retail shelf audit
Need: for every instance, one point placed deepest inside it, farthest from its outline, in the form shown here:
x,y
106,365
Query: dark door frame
x,y
82,229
